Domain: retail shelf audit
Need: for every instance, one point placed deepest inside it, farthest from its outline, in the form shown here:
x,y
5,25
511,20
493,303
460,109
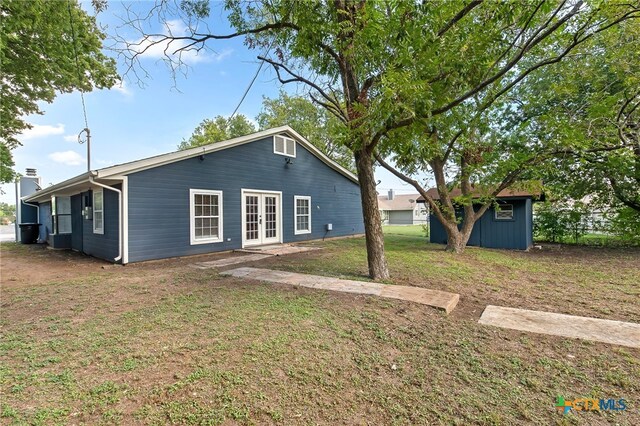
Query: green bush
x,y
625,223
555,223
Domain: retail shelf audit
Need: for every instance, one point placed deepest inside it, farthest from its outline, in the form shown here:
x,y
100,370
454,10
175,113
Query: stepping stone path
x,y
434,298
600,330
257,253
279,250
220,263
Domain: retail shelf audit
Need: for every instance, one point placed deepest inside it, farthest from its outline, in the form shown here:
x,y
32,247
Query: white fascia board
x,y
159,160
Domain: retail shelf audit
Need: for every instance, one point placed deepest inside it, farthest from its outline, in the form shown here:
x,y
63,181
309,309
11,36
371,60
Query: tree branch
x,y
468,8
298,78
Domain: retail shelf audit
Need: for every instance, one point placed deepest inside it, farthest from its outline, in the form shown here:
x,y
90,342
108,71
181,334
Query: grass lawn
x,y
161,343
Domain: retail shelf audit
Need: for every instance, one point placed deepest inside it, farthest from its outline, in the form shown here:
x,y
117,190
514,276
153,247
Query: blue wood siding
x,y
104,246
45,220
159,222
492,233
77,222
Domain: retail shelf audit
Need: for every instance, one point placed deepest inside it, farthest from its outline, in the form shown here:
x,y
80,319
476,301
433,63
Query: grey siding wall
x,y
104,246
159,198
400,217
492,233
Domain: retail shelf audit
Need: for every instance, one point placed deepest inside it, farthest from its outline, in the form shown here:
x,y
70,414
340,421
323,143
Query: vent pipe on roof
x,y
390,194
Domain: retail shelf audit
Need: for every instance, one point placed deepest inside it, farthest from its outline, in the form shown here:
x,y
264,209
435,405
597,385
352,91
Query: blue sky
x,y
129,122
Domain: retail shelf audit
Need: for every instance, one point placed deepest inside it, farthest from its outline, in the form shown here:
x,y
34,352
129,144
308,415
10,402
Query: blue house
x,y
506,225
269,187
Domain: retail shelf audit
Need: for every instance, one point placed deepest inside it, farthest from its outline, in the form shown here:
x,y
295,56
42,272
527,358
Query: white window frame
x,y
499,207
192,217
101,211
55,214
295,214
286,140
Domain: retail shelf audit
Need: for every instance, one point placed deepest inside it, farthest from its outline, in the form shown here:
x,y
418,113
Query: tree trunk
x,y
457,239
378,269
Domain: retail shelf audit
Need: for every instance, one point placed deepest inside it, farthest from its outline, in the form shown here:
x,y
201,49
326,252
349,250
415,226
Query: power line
x,y
246,92
75,53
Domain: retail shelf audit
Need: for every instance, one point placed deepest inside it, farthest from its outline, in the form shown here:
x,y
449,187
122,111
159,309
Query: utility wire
x,y
75,52
253,80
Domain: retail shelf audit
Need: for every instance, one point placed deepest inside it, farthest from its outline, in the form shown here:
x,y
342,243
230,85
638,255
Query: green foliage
x,y
7,174
626,224
38,61
315,123
555,222
587,108
218,129
7,213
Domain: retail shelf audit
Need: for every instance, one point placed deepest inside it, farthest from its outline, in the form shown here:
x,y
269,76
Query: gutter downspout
x,y
120,242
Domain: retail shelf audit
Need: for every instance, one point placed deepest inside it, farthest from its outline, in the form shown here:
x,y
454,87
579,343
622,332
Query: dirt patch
x,y
161,343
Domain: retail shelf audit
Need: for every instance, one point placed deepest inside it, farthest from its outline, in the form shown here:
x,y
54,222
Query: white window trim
x,y
55,212
286,140
94,210
498,208
192,218
295,214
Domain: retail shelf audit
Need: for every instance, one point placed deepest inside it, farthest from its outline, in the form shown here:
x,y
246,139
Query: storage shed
x,y
506,225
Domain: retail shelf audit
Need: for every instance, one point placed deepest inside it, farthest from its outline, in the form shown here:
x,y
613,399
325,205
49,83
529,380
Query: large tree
x,y
218,129
477,144
594,119
314,122
46,47
395,73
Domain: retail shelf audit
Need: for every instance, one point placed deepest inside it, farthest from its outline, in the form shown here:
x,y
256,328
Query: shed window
x,y
98,212
61,215
504,212
284,146
302,214
206,216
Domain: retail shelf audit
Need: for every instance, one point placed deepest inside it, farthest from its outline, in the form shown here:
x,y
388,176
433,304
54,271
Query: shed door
x,y
261,218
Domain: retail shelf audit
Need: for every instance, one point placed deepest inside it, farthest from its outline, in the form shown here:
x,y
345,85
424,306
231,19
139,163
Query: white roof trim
x,y
117,172
160,160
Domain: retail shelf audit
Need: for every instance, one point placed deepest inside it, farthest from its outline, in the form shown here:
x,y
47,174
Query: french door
x,y
261,218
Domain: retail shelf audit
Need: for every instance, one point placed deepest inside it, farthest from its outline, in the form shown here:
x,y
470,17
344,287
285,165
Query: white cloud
x,y
155,47
41,131
122,87
219,57
68,158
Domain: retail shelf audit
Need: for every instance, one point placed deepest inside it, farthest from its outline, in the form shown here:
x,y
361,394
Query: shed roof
x,y
505,193
117,172
399,202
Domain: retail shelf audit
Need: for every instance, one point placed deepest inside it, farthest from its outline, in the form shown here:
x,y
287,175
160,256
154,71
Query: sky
x,y
144,117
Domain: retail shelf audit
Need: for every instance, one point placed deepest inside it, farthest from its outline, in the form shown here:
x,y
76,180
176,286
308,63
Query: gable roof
x,y
505,193
399,202
120,170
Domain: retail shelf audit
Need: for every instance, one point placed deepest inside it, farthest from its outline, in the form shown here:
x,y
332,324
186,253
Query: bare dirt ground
x,y
84,341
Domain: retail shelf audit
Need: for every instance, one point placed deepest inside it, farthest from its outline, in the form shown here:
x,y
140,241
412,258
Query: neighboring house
x,y
265,188
401,209
506,225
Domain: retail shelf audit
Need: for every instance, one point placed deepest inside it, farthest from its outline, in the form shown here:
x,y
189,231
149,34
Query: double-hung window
x,y
61,214
504,212
98,211
302,213
284,146
206,216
